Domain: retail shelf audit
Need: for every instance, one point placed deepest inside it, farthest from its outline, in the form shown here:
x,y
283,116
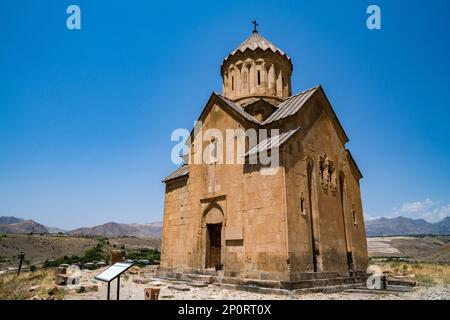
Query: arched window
x,y
213,149
330,171
322,167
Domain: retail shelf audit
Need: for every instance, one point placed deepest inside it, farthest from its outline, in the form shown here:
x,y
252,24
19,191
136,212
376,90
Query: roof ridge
x,y
270,143
238,108
303,92
291,105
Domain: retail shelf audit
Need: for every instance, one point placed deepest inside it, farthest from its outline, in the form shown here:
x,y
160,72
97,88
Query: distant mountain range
x,y
111,229
402,226
17,225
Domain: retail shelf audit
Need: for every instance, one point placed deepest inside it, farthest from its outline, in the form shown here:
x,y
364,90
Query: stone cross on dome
x,y
255,25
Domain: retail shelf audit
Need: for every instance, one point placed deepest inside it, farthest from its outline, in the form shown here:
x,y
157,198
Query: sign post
x,y
21,256
113,272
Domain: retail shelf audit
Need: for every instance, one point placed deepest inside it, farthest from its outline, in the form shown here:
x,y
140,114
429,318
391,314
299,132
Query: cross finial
x,y
255,25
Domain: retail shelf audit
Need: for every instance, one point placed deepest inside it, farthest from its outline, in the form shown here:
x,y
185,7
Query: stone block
x,y
116,256
134,270
141,280
179,287
61,279
151,293
60,270
87,288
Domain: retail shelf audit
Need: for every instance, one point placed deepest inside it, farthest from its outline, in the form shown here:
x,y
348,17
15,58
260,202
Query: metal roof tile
x,y
290,106
272,142
180,172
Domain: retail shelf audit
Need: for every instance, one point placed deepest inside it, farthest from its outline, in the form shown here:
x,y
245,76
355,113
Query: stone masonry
x,y
301,222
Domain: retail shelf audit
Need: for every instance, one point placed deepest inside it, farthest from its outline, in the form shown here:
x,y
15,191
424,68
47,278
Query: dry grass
x,y
427,274
18,288
38,248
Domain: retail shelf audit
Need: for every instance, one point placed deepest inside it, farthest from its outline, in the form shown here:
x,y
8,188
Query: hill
x,y
402,226
113,229
26,226
10,220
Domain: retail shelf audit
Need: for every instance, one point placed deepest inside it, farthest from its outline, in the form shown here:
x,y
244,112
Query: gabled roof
x,y
353,163
291,105
180,172
237,109
256,41
272,142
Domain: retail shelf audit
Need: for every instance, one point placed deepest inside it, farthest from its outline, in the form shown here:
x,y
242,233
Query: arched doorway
x,y
213,222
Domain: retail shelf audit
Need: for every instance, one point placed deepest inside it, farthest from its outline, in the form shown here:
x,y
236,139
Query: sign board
x,y
114,271
233,234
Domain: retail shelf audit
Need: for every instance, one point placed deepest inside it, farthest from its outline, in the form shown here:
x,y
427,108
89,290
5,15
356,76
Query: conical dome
x,y
257,41
257,69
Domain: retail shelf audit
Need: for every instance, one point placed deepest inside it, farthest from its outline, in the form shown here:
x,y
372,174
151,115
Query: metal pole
x,y
118,286
21,256
109,284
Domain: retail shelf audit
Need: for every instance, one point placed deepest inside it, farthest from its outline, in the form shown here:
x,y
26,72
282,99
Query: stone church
x,y
301,226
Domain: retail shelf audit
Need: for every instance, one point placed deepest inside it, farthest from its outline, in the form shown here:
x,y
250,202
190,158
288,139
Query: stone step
x,y
294,285
250,282
201,278
326,289
319,275
329,289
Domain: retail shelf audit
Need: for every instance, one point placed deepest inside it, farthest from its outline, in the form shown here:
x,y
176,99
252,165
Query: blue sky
x,y
86,115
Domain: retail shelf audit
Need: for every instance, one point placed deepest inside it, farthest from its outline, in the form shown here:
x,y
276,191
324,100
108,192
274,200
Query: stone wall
x,y
266,219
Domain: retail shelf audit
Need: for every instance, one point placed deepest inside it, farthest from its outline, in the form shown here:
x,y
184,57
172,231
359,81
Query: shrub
x,y
95,253
426,280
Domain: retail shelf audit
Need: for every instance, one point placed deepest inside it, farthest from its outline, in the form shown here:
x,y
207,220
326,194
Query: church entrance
x,y
213,246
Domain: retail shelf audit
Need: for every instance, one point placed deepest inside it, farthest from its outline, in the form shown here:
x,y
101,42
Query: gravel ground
x,y
133,291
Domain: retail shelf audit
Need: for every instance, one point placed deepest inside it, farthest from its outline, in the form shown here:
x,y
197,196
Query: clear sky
x,y
86,115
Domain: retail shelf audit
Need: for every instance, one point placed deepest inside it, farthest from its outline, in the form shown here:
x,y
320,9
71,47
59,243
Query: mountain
x,y
10,220
113,229
402,226
443,227
14,226
25,226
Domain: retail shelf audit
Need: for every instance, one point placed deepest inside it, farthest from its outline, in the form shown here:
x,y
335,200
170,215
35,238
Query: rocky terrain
x,y
132,288
423,249
38,248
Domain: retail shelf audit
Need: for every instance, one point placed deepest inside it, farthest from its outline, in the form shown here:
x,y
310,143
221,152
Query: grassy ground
x,y
18,288
39,248
427,274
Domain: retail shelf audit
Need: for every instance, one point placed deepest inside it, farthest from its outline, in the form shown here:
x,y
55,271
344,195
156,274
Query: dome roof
x,y
254,42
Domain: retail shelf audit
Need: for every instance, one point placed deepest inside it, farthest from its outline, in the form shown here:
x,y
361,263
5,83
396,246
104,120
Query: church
x,y
298,226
